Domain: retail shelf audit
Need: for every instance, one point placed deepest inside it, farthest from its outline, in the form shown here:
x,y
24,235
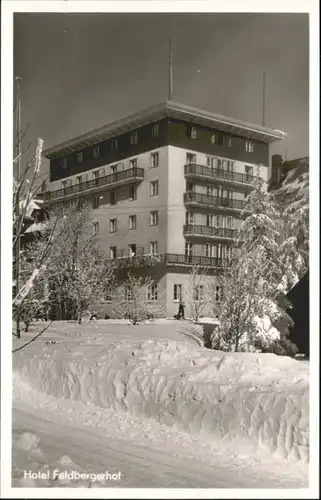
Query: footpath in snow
x,y
240,400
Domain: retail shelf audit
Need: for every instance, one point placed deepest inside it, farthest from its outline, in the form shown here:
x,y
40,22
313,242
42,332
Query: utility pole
x,y
18,170
170,71
263,99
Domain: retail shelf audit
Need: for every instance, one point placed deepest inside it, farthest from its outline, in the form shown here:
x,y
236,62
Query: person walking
x,y
181,310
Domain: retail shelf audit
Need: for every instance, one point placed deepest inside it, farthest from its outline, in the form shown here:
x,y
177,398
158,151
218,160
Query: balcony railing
x,y
108,180
168,259
214,201
189,260
233,177
207,231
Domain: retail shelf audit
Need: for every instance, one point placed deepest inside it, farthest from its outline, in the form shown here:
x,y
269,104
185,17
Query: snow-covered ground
x,y
111,396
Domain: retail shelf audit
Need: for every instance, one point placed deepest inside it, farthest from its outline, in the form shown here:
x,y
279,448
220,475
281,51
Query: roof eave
x,y
154,113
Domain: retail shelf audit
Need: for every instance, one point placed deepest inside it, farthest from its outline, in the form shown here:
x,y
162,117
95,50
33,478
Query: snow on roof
x,y
36,227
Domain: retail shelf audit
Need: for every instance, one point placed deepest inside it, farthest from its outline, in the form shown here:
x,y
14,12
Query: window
x,y
63,184
228,141
227,194
80,156
178,292
132,221
132,250
249,146
112,197
213,139
113,252
133,163
229,222
155,130
210,250
210,220
152,292
248,172
229,166
96,151
218,293
193,133
80,203
95,202
134,138
153,247
211,191
113,225
64,163
114,145
189,218
153,220
128,293
211,162
154,188
198,293
108,294
154,160
190,158
95,228
220,140
190,188
96,176
113,169
132,193
188,249
79,179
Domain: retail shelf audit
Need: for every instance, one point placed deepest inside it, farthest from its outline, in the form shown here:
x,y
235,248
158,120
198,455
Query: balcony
x,y
165,259
194,171
204,200
98,184
174,259
215,233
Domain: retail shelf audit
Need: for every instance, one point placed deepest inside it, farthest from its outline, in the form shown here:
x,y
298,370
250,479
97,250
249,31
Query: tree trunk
x,y
79,317
236,344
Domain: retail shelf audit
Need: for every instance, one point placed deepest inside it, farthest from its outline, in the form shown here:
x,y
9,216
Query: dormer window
x,y
193,133
249,146
114,145
133,138
96,151
155,130
80,156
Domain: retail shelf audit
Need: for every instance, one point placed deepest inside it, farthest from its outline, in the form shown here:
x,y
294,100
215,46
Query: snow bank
x,y
244,401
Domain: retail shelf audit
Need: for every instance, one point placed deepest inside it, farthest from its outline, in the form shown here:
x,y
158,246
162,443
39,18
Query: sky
x,y
82,71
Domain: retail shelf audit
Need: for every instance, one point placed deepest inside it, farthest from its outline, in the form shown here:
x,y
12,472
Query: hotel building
x,y
169,181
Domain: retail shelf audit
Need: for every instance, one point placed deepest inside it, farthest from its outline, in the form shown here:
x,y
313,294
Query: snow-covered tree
x,y
251,279
261,222
196,294
138,298
248,293
292,202
28,260
77,272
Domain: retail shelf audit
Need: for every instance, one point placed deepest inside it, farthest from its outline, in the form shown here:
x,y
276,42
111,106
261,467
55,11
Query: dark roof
x,y
159,111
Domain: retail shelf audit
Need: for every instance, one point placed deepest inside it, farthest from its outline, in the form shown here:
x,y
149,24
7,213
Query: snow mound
x,y
27,441
243,400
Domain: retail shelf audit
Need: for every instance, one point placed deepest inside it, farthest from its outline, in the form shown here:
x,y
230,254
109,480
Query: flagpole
x,y
170,71
263,99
